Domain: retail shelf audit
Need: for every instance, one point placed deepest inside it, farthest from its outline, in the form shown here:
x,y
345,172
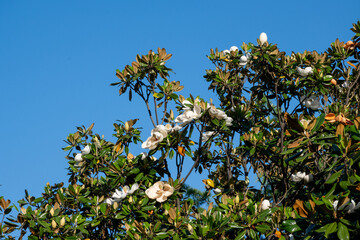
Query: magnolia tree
x,y
279,154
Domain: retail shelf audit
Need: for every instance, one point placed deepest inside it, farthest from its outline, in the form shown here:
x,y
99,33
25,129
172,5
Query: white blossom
x,y
119,195
78,157
144,155
217,113
299,176
228,121
159,191
263,38
85,150
109,201
344,204
186,105
234,48
177,128
189,115
350,208
313,102
243,60
335,203
134,187
265,204
157,135
217,191
304,72
226,51
207,135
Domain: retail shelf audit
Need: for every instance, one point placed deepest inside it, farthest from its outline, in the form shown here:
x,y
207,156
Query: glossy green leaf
x,y
343,232
333,177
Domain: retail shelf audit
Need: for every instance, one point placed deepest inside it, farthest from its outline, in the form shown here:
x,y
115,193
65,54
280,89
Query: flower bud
x,y
62,222
53,224
265,204
78,157
86,150
217,191
52,212
263,38
234,48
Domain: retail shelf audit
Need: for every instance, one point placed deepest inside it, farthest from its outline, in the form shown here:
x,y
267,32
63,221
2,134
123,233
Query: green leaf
x,y
134,171
343,232
241,235
319,121
147,208
263,228
103,208
252,151
290,226
330,228
139,177
333,177
158,95
332,190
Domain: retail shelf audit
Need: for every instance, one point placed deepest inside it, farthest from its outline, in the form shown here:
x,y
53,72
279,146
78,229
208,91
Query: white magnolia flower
x,y
263,38
164,129
243,60
160,191
157,135
228,121
119,195
177,128
299,176
217,113
86,150
187,105
312,102
226,51
308,178
350,208
144,155
78,157
109,201
265,204
189,115
234,48
217,191
304,72
134,187
207,135
335,203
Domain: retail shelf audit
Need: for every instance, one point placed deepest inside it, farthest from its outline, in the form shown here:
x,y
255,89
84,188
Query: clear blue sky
x,y
57,59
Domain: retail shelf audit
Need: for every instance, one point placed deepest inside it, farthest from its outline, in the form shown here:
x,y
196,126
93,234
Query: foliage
x,y
290,120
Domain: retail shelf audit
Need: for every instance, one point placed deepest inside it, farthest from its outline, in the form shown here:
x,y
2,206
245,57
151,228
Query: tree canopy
x,y
280,155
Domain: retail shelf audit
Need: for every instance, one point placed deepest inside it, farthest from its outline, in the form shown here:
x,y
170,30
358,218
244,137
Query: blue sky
x,y
58,58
